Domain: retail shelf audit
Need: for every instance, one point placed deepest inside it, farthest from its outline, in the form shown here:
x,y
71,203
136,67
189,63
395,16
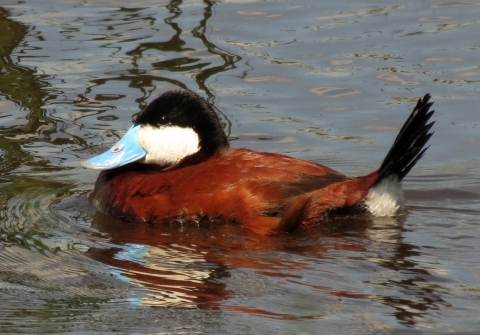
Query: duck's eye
x,y
163,120
116,149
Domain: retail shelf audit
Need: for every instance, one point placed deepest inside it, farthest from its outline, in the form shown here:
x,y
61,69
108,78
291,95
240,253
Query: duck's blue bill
x,y
125,151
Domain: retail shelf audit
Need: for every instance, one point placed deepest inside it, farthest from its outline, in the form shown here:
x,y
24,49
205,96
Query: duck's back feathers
x,y
240,185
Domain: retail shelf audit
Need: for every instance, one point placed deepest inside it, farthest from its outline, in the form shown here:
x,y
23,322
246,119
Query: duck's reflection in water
x,y
190,265
182,265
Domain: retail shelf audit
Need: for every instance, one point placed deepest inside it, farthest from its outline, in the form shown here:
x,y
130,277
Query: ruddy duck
x,y
175,164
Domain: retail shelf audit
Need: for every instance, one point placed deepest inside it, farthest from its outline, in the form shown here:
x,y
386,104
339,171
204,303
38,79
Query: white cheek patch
x,y
168,144
386,198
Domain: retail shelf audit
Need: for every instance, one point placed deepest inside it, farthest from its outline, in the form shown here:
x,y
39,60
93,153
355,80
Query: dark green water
x,y
325,81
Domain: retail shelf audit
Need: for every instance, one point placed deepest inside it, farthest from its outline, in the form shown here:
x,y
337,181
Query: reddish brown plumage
x,y
265,192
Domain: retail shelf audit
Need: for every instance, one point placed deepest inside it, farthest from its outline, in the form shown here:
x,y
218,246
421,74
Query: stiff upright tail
x,y
385,197
408,147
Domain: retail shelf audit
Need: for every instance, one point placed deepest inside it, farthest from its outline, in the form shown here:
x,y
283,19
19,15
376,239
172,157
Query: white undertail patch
x,y
167,145
386,198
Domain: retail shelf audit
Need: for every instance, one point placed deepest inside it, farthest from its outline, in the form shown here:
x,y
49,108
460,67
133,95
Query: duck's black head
x,y
176,125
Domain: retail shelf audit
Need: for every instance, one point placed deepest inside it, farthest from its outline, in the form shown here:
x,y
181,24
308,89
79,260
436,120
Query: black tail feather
x,y
408,147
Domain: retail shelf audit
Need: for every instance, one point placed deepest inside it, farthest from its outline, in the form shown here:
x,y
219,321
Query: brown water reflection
x,y
187,266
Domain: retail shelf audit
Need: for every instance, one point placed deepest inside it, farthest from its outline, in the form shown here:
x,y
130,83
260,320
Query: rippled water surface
x,y
328,81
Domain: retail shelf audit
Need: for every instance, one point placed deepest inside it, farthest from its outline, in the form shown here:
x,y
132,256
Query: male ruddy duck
x,y
175,164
